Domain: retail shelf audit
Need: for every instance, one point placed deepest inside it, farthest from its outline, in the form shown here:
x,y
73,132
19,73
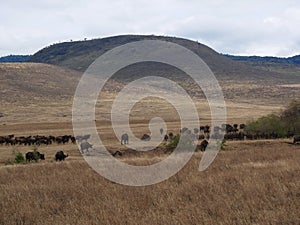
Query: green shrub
x,y
287,120
223,144
267,124
19,158
186,142
173,142
291,116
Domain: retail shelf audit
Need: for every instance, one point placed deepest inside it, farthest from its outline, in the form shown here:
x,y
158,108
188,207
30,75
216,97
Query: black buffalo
x,y
166,137
117,153
124,139
60,156
203,145
296,139
146,137
35,155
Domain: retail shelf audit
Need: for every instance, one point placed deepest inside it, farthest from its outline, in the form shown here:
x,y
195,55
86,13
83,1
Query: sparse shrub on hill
x,y
186,142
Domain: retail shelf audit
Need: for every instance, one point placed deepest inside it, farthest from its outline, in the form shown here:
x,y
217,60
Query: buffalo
x,y
296,139
85,146
203,145
117,153
166,137
146,137
35,155
124,139
83,137
60,156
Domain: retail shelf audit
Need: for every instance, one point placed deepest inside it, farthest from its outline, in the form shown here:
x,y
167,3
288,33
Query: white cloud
x,y
235,27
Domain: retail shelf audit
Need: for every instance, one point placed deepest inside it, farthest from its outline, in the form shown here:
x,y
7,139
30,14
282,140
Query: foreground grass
x,y
251,183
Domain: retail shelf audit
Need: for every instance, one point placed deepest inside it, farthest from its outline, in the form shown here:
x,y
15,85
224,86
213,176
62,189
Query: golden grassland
x,y
251,182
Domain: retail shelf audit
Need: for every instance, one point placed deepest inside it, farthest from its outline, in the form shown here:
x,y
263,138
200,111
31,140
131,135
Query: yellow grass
x,y
249,183
255,182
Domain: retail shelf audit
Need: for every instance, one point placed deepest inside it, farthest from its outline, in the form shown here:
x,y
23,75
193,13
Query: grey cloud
x,y
235,27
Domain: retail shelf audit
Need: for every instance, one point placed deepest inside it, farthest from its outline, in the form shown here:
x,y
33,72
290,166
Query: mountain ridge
x,y
294,60
14,58
78,55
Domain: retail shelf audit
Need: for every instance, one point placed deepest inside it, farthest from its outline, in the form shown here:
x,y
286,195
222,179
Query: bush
x,y
287,120
267,124
19,158
173,142
291,116
185,144
223,144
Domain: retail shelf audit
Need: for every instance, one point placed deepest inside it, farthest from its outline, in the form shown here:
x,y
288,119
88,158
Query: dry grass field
x,y
253,182
250,182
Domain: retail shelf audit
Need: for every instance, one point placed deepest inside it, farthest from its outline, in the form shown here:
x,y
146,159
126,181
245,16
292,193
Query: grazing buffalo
x,y
117,153
82,137
35,155
85,146
201,136
206,129
146,137
184,130
166,137
203,145
242,126
296,139
124,139
60,156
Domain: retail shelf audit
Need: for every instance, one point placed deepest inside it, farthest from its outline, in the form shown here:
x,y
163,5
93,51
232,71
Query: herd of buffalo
x,y
36,140
229,132
40,140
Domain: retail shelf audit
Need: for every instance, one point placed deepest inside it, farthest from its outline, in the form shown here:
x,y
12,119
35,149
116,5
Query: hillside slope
x,y
80,54
35,80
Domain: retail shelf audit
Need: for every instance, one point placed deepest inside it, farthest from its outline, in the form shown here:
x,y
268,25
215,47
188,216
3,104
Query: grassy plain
x,y
250,182
253,182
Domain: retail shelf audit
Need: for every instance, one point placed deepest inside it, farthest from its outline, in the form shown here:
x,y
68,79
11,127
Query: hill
x,y
14,58
79,55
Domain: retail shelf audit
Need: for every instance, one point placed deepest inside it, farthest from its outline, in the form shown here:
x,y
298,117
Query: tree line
x,y
285,123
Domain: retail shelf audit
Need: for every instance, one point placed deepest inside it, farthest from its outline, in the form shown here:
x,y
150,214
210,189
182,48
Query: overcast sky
x,y
239,27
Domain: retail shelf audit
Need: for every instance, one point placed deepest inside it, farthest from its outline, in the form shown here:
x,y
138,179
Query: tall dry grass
x,y
250,183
